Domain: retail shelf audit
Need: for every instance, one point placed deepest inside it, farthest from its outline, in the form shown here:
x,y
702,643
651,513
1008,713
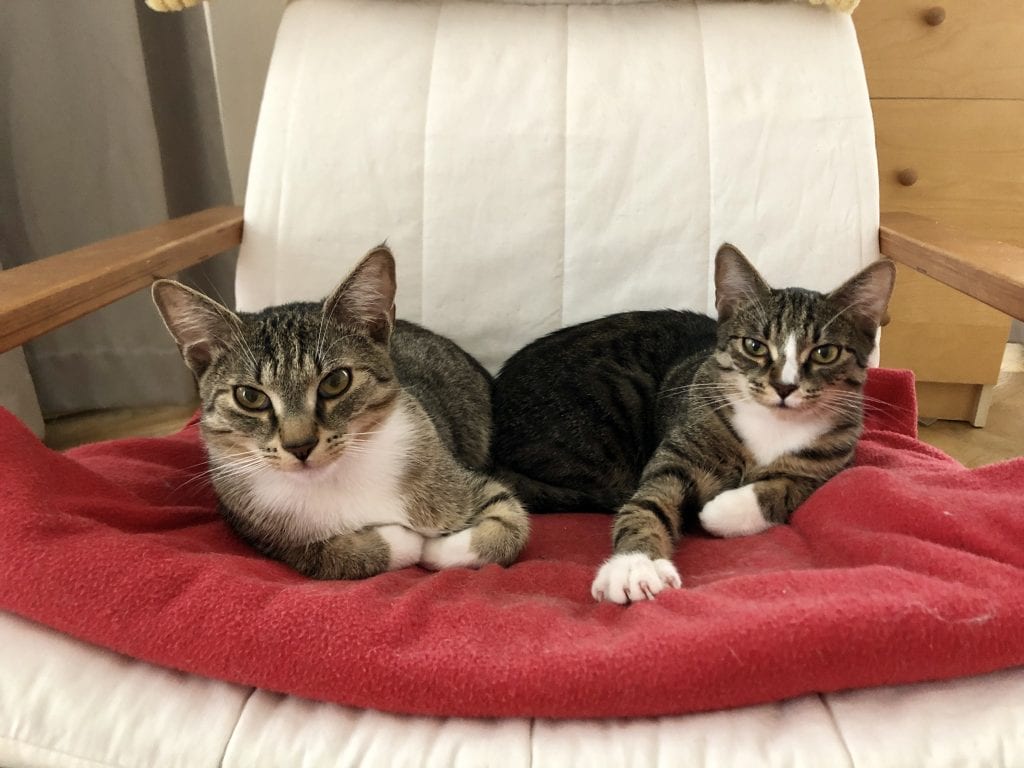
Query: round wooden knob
x,y
935,16
907,177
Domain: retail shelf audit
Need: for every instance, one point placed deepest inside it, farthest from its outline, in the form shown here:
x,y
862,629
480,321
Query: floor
x,y
1002,437
1003,434
93,426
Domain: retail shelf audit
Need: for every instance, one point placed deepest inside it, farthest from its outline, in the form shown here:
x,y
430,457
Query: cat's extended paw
x,y
633,577
454,551
734,513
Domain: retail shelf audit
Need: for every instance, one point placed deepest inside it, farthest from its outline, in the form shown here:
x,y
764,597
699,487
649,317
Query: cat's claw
x,y
734,513
624,576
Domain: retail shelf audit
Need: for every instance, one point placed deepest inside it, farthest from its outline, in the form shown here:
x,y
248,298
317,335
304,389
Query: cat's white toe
x,y
734,513
453,551
632,577
405,546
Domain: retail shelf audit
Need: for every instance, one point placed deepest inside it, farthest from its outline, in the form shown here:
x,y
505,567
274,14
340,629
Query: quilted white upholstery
x,y
535,166
65,704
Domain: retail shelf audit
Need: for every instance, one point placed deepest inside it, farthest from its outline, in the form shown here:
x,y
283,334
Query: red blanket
x,y
904,568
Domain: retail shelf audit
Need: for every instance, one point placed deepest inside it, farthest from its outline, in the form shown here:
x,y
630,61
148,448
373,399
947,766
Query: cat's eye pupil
x,y
334,383
826,353
754,347
251,398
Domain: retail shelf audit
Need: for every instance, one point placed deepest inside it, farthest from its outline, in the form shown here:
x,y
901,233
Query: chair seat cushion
x,y
905,567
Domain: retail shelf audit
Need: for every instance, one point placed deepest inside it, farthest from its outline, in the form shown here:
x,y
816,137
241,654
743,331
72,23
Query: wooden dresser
x,y
947,89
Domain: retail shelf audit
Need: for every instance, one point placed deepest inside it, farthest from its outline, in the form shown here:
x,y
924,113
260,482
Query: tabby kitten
x,y
670,416
340,441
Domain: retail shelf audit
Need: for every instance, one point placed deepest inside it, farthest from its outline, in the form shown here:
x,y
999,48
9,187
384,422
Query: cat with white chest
x,y
669,418
341,441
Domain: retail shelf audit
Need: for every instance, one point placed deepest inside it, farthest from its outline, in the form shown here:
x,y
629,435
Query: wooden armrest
x,y
986,270
45,294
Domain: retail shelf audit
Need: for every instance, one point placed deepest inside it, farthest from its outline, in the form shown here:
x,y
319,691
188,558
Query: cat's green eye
x,y
825,354
251,398
334,383
755,348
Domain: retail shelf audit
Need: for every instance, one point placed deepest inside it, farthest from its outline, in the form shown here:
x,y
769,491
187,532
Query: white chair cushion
x,y
535,166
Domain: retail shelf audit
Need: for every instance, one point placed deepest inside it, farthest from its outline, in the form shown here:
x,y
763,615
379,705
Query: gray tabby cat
x,y
340,441
669,417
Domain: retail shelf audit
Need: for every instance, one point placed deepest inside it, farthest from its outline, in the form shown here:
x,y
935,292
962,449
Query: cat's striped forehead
x,y
291,344
285,340
806,315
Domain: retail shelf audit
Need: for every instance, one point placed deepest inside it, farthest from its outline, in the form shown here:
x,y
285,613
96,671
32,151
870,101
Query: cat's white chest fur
x,y
360,488
769,432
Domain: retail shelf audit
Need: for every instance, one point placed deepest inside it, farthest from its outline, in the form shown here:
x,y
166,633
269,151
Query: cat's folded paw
x,y
734,513
632,577
404,546
453,551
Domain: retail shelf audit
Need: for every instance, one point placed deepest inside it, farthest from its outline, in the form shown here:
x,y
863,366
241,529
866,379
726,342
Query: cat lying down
x,y
340,441
669,417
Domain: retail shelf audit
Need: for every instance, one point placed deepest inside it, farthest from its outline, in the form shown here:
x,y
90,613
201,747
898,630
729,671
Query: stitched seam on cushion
x,y
423,194
234,728
282,266
850,88
709,291
835,724
565,172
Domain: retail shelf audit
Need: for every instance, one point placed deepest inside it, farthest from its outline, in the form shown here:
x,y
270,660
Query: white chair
x,y
531,166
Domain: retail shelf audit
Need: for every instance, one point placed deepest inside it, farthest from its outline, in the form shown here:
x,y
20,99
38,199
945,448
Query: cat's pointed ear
x,y
367,297
201,327
864,297
736,281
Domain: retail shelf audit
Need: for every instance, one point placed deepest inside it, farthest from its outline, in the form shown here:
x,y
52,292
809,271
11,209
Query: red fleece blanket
x,y
906,567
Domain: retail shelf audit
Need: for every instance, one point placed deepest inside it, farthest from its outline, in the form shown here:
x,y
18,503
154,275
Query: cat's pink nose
x,y
784,390
301,451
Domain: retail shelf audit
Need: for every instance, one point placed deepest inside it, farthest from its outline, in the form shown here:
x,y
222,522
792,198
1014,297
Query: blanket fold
x,y
905,567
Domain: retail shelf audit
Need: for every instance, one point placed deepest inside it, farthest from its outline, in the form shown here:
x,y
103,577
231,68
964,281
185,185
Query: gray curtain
x,y
109,124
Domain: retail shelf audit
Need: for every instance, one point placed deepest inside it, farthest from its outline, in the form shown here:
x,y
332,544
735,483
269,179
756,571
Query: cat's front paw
x,y
633,577
452,551
734,513
405,547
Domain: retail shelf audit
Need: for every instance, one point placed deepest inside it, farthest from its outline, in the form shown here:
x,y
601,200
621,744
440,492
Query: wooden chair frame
x,y
46,294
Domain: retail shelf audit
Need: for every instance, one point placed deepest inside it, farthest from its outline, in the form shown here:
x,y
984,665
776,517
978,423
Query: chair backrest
x,y
534,166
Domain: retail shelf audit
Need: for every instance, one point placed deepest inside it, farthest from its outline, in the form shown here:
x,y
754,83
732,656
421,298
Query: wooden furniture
x,y
96,275
46,294
947,92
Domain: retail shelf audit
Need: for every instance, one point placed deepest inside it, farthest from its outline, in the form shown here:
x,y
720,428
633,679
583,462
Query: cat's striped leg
x,y
356,555
757,506
495,533
646,530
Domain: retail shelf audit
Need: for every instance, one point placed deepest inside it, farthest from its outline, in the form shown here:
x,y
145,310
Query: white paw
x,y
453,551
633,577
406,546
734,513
